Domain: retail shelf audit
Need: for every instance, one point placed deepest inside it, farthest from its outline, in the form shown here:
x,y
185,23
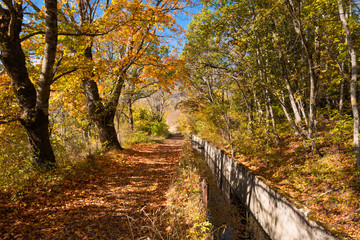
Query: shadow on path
x,y
107,201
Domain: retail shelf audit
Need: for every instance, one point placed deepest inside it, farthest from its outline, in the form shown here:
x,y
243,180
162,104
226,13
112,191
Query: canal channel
x,y
230,219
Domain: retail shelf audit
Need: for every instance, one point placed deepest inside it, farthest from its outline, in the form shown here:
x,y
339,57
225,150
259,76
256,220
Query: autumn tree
x,y
33,99
353,80
136,88
274,63
127,32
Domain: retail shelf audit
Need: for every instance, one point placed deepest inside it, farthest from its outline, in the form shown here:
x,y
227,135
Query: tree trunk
x,y
354,104
131,118
300,103
341,66
102,117
33,103
107,132
42,154
287,114
249,110
341,97
312,74
311,66
259,112
271,117
297,115
285,76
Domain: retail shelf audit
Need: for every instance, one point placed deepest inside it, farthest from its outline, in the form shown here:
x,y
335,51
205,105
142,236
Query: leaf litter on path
x,y
114,199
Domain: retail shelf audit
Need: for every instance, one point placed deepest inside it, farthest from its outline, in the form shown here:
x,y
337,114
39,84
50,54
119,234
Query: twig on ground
x,y
327,192
348,217
154,228
131,230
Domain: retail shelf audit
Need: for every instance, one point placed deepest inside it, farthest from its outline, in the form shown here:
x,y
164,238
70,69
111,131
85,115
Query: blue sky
x,y
182,19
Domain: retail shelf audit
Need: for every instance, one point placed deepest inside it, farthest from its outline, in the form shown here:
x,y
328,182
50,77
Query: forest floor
x,y
116,197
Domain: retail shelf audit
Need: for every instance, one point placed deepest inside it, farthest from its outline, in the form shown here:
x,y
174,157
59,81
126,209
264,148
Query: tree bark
x,y
249,111
287,114
33,102
312,75
131,118
102,116
259,111
353,80
299,121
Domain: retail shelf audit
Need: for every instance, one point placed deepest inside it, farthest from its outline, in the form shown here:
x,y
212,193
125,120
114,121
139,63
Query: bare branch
x,y
63,74
31,35
33,5
320,195
11,9
58,63
348,217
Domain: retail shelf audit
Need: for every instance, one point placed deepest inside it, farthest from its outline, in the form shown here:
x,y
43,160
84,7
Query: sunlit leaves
x,y
8,106
246,60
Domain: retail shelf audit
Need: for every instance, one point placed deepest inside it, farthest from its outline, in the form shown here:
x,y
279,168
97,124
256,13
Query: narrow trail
x,y
113,200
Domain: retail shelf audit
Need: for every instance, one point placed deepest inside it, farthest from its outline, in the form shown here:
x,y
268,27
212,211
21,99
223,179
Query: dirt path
x,y
111,201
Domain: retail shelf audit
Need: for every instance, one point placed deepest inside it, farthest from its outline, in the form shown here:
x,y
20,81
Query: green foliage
x,y
199,230
159,128
336,131
139,137
142,120
342,128
241,55
146,122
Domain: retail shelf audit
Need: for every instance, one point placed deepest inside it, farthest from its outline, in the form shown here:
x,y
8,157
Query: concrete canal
x,y
231,219
280,219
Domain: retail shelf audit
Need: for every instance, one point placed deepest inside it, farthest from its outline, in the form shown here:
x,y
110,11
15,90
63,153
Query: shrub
x,y
159,128
146,122
139,137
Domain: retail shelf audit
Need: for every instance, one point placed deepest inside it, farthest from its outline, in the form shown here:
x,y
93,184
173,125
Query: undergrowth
x,y
184,216
142,137
187,217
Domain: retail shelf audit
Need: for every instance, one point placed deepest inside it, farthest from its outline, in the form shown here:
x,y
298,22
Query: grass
x,y
129,137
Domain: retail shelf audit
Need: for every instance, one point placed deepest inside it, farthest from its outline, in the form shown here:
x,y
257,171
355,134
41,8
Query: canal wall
x,y
279,218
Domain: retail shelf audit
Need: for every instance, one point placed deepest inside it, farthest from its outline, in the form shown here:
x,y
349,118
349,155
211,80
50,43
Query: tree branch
x,y
63,74
33,5
329,191
65,34
9,120
347,217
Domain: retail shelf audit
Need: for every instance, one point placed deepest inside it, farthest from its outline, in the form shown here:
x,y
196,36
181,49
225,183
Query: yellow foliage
x,y
8,106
